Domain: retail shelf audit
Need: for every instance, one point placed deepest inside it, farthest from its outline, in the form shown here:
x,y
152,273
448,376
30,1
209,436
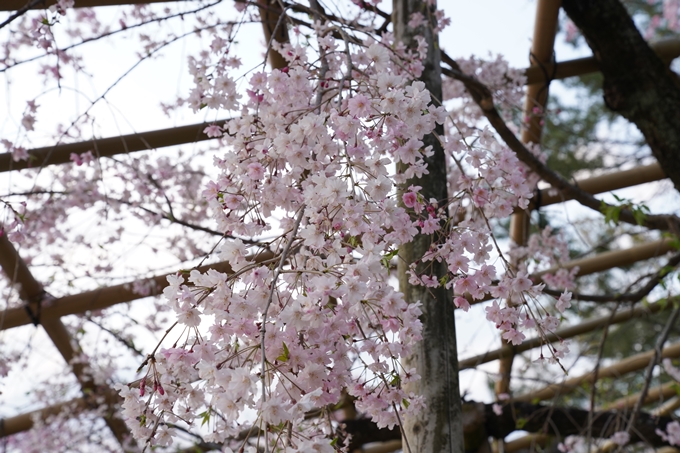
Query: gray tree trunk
x,y
439,428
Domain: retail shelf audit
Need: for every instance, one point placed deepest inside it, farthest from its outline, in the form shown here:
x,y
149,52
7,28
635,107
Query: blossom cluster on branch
x,y
315,159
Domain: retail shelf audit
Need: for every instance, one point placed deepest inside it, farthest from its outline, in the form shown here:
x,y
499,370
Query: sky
x,y
479,27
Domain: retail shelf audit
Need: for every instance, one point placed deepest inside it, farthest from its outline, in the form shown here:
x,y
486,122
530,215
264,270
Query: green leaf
x,y
205,417
286,354
396,380
387,258
521,422
405,403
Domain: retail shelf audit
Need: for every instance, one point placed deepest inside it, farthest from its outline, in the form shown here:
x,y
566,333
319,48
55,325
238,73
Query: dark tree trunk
x,y
637,83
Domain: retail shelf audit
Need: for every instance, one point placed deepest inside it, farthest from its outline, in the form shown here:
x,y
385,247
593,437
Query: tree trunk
x,y
637,83
439,427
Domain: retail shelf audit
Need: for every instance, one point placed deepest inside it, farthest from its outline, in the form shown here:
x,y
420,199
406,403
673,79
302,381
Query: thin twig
x,y
593,388
20,12
650,368
263,330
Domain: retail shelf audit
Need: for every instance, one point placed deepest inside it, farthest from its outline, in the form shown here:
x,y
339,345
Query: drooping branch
x,y
484,99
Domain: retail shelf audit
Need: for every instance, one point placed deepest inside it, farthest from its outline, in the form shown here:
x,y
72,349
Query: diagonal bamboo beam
x,y
659,393
563,334
99,299
31,291
633,363
107,147
24,422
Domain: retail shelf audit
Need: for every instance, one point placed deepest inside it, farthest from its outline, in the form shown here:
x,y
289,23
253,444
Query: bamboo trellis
x,y
37,301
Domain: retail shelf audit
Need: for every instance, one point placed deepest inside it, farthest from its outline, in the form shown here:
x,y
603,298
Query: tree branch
x,y
483,97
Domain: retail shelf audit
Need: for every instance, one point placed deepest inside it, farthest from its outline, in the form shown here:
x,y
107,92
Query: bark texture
x,y
637,83
439,427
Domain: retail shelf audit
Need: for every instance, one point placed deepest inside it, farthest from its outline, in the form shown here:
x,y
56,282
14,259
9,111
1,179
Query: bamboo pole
x,y
667,49
634,363
615,258
656,394
545,27
107,147
99,299
602,262
563,334
24,422
605,183
275,28
667,408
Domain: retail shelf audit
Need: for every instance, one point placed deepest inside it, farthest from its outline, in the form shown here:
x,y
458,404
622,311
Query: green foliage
x,y
285,355
387,257
205,417
612,212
